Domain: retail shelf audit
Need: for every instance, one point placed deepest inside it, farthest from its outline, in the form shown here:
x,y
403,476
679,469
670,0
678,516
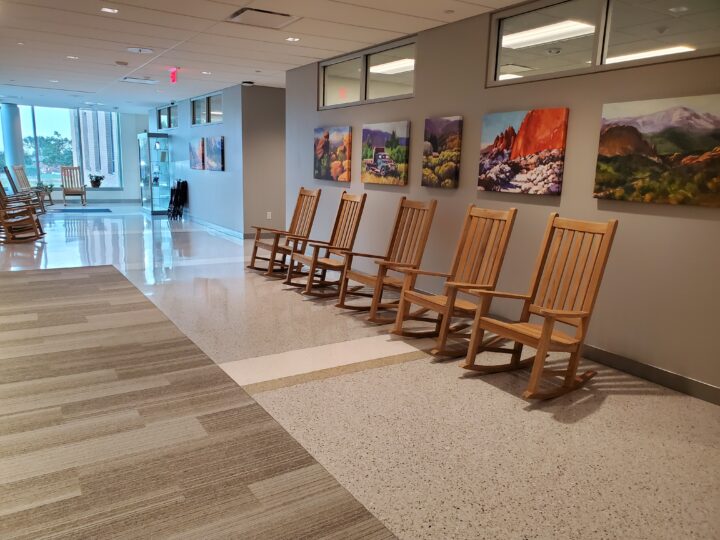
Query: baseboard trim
x,y
680,383
218,228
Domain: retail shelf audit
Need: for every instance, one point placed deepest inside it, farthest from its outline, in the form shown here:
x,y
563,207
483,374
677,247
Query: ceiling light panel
x,y
550,33
394,67
648,54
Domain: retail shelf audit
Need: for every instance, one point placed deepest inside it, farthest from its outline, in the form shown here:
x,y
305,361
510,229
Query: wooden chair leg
x,y
311,274
377,294
573,363
539,362
254,254
476,339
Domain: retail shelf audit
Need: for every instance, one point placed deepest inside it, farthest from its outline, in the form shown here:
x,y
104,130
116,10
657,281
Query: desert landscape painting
x,y
332,153
441,152
663,151
523,151
385,153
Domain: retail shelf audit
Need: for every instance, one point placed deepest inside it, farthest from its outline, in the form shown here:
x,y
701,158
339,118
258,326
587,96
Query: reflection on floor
x,y
430,451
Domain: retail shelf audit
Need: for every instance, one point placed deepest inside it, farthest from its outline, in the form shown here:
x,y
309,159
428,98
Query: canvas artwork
x,y
661,151
441,151
215,153
523,151
332,153
385,153
197,155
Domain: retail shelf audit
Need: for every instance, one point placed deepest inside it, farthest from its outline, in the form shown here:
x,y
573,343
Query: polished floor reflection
x,y
197,277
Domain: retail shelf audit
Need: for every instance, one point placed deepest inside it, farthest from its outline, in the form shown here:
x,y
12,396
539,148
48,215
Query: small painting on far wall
x,y
197,155
523,151
332,153
385,153
215,153
441,152
664,151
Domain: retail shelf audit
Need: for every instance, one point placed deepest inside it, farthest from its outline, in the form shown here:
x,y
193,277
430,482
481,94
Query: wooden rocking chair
x,y
283,243
407,245
563,289
21,193
24,184
478,258
18,221
341,240
73,184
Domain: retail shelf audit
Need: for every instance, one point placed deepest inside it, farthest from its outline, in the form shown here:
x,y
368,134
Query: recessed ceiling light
x,y
648,54
89,103
507,76
20,43
547,34
54,81
292,39
678,9
392,68
206,72
70,57
109,10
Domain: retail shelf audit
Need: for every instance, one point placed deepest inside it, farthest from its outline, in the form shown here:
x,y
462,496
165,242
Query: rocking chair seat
x,y
324,261
268,246
529,334
432,301
370,279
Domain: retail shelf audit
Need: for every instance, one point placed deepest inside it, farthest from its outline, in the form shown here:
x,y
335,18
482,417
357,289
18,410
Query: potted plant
x,y
96,180
45,189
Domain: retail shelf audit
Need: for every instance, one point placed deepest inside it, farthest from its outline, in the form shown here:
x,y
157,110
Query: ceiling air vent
x,y
261,18
139,80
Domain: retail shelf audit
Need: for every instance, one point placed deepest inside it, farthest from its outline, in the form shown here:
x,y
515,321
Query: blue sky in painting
x,y
496,123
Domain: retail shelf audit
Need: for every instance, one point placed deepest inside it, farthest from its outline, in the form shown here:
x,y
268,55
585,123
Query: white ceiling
x,y
37,36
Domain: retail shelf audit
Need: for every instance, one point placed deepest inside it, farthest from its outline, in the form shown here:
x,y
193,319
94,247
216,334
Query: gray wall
x,y
658,302
215,197
263,121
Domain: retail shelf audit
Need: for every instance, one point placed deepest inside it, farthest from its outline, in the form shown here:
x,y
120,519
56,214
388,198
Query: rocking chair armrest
x,y
365,255
499,294
420,272
270,230
398,266
563,313
467,286
318,244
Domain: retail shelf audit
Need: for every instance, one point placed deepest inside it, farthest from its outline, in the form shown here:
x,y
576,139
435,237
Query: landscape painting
x,y
441,152
523,151
333,153
215,153
663,151
385,153
197,155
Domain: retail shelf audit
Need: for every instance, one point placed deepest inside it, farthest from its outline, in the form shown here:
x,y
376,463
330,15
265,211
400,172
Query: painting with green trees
x,y
661,151
441,152
385,149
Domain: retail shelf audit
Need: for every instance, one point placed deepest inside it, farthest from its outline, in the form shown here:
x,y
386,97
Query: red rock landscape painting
x,y
661,151
523,151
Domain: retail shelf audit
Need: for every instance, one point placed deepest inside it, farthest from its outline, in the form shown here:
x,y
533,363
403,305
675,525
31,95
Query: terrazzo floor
x,y
435,454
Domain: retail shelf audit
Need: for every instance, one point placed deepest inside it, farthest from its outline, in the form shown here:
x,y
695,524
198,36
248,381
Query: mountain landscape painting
x,y
661,151
332,153
523,151
385,152
441,151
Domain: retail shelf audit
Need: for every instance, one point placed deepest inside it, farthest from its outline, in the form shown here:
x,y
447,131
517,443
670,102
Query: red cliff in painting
x,y
541,129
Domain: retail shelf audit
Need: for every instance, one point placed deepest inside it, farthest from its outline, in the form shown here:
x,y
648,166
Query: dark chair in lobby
x,y
283,243
341,240
406,248
73,184
477,262
563,289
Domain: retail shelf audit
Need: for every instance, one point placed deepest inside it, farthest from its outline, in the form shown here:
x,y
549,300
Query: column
x,y
12,134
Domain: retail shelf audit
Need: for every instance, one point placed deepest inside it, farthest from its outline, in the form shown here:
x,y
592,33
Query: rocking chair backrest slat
x,y
13,184
571,264
71,178
304,213
411,230
347,220
483,242
21,176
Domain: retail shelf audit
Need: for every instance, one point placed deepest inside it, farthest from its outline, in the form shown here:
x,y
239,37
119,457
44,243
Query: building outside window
x,y
56,137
